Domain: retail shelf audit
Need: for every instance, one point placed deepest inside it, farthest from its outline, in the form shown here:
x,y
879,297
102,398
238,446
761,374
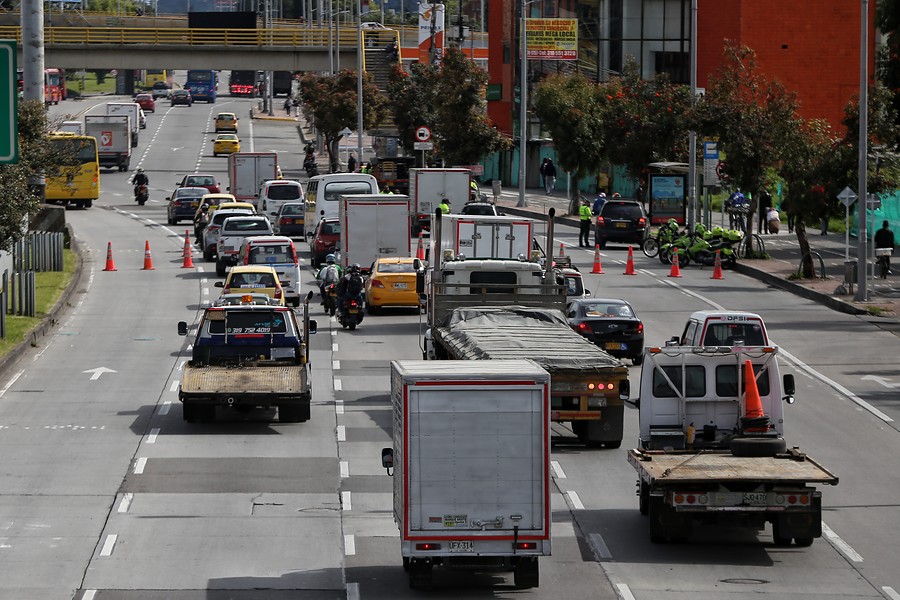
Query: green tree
x,y
330,104
412,98
888,20
574,112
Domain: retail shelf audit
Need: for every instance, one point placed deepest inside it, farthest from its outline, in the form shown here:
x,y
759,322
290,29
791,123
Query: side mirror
x,y
420,281
182,327
220,284
587,292
168,198
624,390
387,459
789,387
673,341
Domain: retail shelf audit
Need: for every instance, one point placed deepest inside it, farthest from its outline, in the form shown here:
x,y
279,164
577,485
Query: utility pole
x,y
862,251
359,83
523,107
692,136
33,49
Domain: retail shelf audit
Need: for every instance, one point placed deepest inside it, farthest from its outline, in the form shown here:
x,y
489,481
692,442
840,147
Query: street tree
x,y
412,98
574,112
329,102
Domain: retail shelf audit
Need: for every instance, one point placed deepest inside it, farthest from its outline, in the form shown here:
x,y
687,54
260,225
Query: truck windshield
x,y
734,334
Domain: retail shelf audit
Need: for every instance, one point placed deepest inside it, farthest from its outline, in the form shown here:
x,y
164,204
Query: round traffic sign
x,y
423,134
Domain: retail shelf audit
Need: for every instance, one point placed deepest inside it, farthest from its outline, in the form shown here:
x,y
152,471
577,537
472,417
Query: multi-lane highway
x,y
106,493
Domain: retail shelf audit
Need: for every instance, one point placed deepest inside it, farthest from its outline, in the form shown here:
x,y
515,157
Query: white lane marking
x,y
205,291
181,365
108,545
164,409
560,474
139,465
336,365
338,386
174,386
575,500
341,433
893,595
154,433
89,594
338,409
204,281
199,269
349,545
125,504
334,347
624,592
345,469
842,546
10,383
601,551
345,501
353,591
334,332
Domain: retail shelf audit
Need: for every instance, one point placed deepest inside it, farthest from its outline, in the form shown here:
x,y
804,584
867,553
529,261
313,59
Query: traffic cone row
x,y
676,265
717,268
188,255
629,264
148,258
420,248
598,268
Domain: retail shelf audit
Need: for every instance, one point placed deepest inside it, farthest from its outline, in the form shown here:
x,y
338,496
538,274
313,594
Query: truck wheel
x,y
778,537
220,268
644,498
420,574
803,542
757,447
88,203
293,413
526,574
613,445
189,413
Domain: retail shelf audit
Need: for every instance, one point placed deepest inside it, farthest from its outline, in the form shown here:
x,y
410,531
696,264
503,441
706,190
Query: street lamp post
x,y
692,136
359,83
862,254
523,109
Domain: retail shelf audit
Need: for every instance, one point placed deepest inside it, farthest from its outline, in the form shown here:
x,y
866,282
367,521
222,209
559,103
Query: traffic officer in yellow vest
x,y
444,206
584,234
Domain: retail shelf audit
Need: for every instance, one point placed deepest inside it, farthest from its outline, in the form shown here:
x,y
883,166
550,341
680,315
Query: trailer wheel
x,y
526,574
189,413
293,413
804,542
757,447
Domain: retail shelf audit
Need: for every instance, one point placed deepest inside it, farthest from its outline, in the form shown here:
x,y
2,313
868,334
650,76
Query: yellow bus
x,y
151,76
78,184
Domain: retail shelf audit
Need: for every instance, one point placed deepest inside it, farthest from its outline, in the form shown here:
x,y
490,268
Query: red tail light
x,y
600,221
640,328
376,283
354,303
642,222
283,221
226,290
278,292
177,203
526,546
584,327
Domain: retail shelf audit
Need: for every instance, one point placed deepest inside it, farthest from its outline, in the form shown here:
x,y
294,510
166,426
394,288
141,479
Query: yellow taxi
x,y
392,282
226,122
226,143
253,279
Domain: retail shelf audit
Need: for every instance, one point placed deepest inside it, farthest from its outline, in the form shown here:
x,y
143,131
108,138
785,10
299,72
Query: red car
x,y
205,180
147,102
325,240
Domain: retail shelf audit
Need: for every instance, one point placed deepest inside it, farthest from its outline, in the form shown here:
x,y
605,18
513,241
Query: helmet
x,y
204,207
602,195
617,195
139,170
354,268
329,258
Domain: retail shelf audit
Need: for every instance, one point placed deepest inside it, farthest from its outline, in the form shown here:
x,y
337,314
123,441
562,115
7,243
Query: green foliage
x,y
330,104
412,98
888,20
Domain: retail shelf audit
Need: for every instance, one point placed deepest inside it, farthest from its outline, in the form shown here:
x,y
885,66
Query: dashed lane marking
x,y
154,433
575,500
338,386
174,386
139,465
125,504
108,545
341,433
345,501
164,409
345,469
349,545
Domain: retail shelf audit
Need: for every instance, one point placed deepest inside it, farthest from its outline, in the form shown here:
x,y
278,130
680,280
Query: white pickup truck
x,y
231,236
722,328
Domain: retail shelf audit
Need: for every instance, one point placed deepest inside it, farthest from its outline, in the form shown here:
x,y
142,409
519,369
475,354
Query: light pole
x,y
359,83
862,253
330,39
692,135
523,109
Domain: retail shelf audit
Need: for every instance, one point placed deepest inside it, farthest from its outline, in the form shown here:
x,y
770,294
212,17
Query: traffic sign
x,y
9,96
847,196
423,134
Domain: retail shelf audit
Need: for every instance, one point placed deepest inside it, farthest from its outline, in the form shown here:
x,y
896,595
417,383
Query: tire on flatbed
x,y
751,447
293,412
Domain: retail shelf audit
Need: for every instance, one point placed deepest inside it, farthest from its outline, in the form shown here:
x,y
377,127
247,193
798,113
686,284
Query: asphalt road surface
x,y
105,493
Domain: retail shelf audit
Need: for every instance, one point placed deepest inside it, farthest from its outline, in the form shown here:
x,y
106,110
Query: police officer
x,y
444,206
584,213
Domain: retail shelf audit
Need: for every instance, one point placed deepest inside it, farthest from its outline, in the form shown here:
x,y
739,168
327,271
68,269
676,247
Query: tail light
x,y
526,546
640,328
353,304
283,221
212,228
642,222
176,203
377,284
600,221
428,546
226,289
278,292
584,327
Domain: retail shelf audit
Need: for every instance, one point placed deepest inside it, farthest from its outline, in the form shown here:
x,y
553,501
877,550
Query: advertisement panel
x,y
667,198
551,39
431,32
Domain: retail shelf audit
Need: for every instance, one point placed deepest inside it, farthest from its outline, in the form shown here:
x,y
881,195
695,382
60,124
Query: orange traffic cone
x,y
717,269
753,409
420,249
598,268
676,268
110,265
629,264
148,260
188,252
562,251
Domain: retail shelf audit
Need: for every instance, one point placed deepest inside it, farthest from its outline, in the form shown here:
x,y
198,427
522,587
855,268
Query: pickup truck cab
x,y
232,234
722,328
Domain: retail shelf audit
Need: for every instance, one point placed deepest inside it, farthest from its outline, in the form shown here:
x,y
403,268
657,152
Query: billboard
x,y
667,198
431,21
551,39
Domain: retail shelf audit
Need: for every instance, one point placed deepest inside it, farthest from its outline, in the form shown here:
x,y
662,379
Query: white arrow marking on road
x,y
885,381
96,373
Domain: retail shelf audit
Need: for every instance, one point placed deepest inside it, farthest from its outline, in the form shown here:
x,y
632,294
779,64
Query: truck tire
x,y
526,574
778,537
293,413
750,447
804,542
220,268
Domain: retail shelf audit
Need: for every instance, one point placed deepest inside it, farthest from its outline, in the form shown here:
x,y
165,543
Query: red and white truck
x,y
247,171
428,187
113,135
372,226
492,237
471,466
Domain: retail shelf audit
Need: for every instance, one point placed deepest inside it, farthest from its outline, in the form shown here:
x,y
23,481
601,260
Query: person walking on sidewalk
x,y
549,177
884,238
765,203
584,235
351,163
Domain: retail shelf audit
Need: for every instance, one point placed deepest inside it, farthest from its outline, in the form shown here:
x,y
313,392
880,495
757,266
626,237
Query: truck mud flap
x,y
666,524
802,527
606,433
294,412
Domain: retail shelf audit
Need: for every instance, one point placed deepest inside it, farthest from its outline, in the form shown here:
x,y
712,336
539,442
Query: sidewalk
x,y
778,271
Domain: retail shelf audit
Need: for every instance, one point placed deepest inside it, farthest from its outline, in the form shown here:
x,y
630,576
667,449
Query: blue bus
x,y
202,85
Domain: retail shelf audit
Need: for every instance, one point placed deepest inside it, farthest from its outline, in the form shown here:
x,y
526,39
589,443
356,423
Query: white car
x,y
372,25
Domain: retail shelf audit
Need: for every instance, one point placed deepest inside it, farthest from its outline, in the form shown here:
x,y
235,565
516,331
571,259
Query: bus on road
x,y
54,86
202,84
79,183
152,76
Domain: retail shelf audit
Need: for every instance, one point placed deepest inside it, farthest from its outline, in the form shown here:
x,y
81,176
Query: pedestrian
x,y
543,171
639,193
351,163
584,235
765,203
884,238
393,52
598,203
824,225
444,206
773,220
288,105
786,207
550,177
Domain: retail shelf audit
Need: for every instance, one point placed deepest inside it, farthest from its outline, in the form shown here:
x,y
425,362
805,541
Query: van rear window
x,y
283,192
336,189
240,322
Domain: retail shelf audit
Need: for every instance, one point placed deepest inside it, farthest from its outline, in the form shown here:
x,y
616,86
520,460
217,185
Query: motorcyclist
x,y
309,163
328,274
350,286
201,221
138,179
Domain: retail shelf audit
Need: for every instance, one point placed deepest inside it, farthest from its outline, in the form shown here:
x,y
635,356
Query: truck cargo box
x,y
487,237
372,226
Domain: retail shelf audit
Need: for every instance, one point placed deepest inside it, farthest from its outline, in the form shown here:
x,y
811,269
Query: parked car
x,y
611,324
226,143
326,238
180,97
146,102
621,221
160,89
392,282
183,204
290,219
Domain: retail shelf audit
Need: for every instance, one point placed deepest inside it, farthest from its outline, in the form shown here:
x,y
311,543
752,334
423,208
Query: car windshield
x,y
160,85
238,322
271,253
404,267
614,210
252,280
604,310
228,137
292,209
283,192
331,228
247,225
189,193
734,334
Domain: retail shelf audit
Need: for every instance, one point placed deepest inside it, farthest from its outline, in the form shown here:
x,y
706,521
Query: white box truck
x,y
76,127
471,466
113,135
247,171
487,237
372,226
133,110
427,187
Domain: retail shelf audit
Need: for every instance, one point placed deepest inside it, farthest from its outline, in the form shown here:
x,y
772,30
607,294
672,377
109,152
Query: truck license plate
x,y
755,498
467,546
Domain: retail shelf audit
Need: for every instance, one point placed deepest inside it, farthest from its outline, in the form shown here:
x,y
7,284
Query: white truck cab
x,y
722,328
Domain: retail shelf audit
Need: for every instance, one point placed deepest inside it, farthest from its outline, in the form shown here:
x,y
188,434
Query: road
x,y
105,493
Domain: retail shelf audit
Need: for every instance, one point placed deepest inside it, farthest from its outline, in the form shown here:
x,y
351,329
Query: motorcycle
x,y
309,164
329,299
141,193
351,313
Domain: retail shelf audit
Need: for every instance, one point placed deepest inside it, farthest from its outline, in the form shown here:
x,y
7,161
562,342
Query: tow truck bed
x,y
284,381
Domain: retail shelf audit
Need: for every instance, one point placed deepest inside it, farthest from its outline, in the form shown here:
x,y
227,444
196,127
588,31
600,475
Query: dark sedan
x,y
290,219
611,324
183,203
180,97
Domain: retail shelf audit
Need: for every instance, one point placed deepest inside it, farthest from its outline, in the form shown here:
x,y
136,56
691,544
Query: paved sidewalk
x,y
780,270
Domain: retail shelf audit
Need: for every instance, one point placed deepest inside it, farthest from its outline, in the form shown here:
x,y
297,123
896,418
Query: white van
x,y
324,191
276,192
